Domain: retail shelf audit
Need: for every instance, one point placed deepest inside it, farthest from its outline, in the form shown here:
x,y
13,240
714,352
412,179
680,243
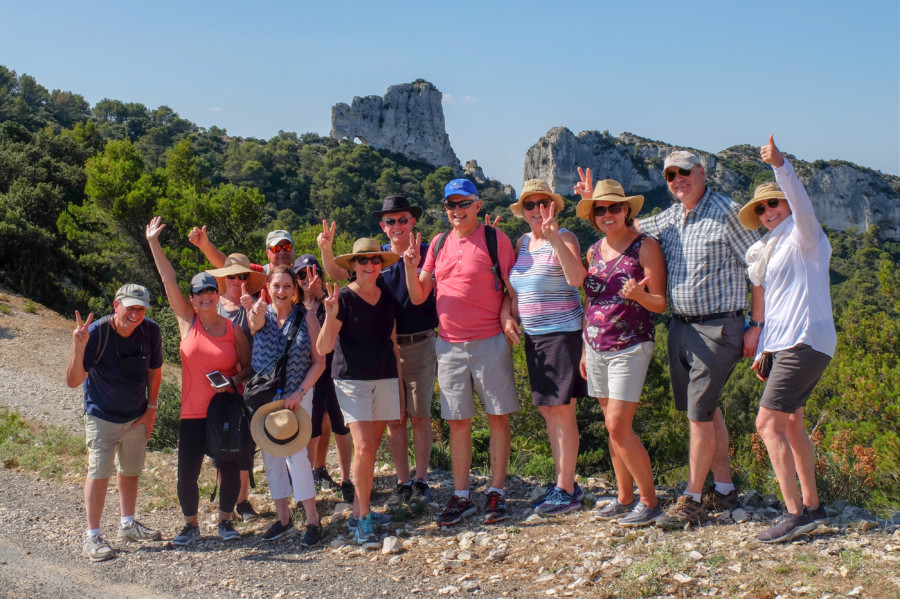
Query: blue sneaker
x,y
379,519
365,529
559,502
548,491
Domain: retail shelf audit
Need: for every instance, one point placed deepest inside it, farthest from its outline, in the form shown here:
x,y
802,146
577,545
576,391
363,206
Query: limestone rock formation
x,y
408,120
844,195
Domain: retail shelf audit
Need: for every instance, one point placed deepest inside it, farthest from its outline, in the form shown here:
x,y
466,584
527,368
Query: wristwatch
x,y
152,406
756,325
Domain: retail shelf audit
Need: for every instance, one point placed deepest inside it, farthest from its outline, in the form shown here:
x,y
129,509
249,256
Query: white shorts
x,y
368,401
618,374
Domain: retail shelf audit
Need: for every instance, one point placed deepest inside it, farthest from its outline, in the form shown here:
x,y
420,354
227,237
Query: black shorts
x,y
552,361
795,372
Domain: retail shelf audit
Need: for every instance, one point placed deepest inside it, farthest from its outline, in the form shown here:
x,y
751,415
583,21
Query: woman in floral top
x,y
625,285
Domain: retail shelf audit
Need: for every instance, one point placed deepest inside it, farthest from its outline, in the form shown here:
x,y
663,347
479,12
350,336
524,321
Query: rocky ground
x,y
41,523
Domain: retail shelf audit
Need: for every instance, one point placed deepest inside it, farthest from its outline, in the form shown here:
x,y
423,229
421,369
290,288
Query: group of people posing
x,y
363,358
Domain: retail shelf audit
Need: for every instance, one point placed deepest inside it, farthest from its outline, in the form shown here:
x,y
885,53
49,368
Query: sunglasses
x,y
285,247
302,274
529,205
761,207
242,277
206,290
366,259
671,174
613,209
392,221
462,204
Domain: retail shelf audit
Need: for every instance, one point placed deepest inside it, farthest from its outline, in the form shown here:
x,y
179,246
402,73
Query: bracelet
x,y
756,325
152,406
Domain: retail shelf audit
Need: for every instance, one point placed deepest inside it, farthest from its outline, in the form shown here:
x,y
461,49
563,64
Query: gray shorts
x,y
116,444
483,366
795,372
701,358
618,374
368,401
418,364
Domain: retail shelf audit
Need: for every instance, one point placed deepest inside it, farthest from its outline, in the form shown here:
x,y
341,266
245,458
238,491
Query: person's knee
x,y
619,429
498,422
420,424
459,426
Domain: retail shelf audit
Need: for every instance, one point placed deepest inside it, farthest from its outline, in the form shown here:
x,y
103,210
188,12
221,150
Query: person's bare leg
x,y
619,420
564,441
398,443
804,457
771,426
94,498
703,445
364,447
501,440
344,446
128,490
283,509
624,479
720,467
423,439
553,436
461,452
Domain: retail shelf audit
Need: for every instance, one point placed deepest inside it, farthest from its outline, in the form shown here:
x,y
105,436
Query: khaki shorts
x,y
116,443
418,364
483,366
368,401
618,374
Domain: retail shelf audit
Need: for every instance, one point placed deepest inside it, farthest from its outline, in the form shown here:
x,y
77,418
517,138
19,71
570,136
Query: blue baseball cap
x,y
460,187
202,281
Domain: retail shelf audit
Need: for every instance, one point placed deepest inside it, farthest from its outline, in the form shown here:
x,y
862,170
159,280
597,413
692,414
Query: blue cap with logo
x,y
460,187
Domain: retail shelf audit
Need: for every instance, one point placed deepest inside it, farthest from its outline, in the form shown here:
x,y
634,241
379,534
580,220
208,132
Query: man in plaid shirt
x,y
704,244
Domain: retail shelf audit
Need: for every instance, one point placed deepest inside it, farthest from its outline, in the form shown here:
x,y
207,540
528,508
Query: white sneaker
x,y
96,549
135,531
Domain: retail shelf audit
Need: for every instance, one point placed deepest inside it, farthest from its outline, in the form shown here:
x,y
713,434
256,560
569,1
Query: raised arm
x,y
199,238
325,241
809,231
182,308
419,285
75,373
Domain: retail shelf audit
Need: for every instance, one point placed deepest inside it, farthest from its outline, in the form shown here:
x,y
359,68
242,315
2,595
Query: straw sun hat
x,y
238,264
366,247
608,190
281,432
764,191
534,187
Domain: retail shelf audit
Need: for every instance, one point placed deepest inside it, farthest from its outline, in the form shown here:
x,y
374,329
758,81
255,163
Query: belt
x,y
414,338
705,317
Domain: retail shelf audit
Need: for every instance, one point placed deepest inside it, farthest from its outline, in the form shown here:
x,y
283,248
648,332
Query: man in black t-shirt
x,y
118,360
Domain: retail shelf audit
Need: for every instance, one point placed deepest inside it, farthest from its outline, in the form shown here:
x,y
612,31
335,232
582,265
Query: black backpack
x,y
227,427
490,239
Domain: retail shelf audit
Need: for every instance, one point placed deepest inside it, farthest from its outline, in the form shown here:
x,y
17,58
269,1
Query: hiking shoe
x,y
278,530
684,513
495,508
792,525
377,519
579,492
719,502
96,549
227,531
347,491
818,513
323,480
558,502
642,515
549,488
188,534
400,495
135,531
245,512
615,509
312,536
421,494
365,529
457,509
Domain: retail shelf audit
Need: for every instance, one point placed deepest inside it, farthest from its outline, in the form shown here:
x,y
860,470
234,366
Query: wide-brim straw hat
x,y
608,190
238,264
366,247
749,218
534,187
281,432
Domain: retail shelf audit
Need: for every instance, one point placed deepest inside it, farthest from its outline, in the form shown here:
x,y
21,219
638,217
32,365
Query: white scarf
x,y
758,254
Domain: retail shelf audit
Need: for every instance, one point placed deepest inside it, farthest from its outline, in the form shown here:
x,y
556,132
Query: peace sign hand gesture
x,y
413,253
585,187
325,239
549,226
331,299
80,335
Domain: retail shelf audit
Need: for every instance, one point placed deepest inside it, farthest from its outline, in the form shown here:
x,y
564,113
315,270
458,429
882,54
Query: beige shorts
x,y
368,401
618,374
116,443
483,366
418,364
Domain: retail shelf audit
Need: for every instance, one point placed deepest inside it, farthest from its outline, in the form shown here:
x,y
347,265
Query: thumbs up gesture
x,y
771,154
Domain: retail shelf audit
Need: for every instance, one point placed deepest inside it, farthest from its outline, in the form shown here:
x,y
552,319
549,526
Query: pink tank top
x,y
200,355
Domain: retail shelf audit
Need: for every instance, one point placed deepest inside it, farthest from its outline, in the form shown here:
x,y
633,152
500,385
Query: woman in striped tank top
x,y
545,281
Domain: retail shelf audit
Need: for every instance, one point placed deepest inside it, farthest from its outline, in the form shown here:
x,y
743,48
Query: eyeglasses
x,y
285,247
366,259
301,275
672,173
392,221
529,205
241,277
761,208
613,209
462,204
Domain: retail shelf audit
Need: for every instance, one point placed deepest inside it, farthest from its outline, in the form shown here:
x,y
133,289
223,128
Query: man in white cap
x,y
704,244
279,249
118,360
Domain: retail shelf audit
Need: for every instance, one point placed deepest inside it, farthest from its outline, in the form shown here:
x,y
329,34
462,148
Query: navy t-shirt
x,y
364,350
115,389
410,317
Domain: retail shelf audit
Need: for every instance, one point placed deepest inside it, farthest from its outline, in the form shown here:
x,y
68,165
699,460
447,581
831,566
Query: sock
x,y
407,483
695,496
501,491
724,488
127,520
462,494
93,532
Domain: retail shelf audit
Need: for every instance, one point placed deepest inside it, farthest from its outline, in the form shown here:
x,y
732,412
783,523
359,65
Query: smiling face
x,y
688,189
609,222
282,289
533,217
205,300
774,216
127,318
463,220
395,230
367,272
281,253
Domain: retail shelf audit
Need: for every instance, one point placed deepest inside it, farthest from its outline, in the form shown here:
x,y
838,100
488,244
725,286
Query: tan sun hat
x,y
366,247
608,190
534,187
763,192
281,432
238,264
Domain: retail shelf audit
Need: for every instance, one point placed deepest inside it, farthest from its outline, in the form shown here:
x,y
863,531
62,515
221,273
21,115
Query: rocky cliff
x,y
844,195
408,120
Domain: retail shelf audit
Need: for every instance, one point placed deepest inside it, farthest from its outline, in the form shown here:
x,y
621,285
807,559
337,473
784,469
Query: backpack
x,y
227,427
103,326
490,239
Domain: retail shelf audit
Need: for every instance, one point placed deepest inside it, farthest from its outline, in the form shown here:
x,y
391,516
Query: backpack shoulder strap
x,y
438,244
490,239
103,326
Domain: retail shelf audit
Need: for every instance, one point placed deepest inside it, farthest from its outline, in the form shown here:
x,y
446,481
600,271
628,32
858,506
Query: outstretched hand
x,y
770,154
325,239
154,228
312,277
331,299
198,236
584,187
80,335
549,224
488,223
413,253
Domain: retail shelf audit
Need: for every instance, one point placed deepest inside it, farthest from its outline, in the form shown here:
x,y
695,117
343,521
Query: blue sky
x,y
824,76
